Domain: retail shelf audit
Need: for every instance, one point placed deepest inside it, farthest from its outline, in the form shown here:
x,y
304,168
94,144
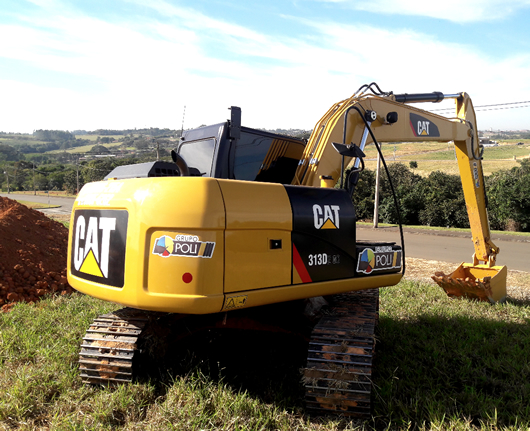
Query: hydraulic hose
x,y
391,185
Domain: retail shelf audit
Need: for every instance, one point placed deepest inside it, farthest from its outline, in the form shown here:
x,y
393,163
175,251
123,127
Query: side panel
x,y
323,234
256,259
183,216
258,235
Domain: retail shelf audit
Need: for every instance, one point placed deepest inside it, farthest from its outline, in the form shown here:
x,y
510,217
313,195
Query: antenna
x,y
183,115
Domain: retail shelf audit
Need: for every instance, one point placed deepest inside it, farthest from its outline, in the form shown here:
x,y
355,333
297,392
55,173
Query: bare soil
x,y
33,252
518,282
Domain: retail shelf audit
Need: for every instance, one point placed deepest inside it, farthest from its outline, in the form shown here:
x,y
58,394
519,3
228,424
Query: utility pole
x,y
376,203
182,129
77,166
7,176
157,151
34,189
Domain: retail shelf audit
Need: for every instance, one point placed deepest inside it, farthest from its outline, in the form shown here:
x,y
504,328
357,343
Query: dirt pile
x,y
32,255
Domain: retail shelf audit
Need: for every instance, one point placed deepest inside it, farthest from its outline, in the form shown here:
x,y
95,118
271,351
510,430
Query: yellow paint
x,y
242,260
90,265
308,290
251,264
328,225
252,205
157,207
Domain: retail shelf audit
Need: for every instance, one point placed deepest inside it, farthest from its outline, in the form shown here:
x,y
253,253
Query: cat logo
x,y
98,245
326,216
421,126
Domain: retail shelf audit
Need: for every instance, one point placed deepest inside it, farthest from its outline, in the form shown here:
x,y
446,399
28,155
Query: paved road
x,y
433,245
452,246
65,204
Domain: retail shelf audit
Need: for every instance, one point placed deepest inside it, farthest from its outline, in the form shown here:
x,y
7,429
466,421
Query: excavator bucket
x,y
480,282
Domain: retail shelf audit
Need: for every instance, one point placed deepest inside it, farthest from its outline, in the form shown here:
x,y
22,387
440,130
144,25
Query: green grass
x,y
20,140
85,148
436,156
450,364
36,205
95,137
440,364
445,229
425,167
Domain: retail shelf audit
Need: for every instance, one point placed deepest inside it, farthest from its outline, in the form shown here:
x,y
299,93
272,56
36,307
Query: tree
x,y
70,181
444,203
363,196
53,135
413,165
409,193
99,149
509,198
9,153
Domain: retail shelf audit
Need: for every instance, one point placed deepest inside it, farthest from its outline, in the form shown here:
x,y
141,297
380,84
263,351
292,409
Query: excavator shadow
x,y
264,365
470,368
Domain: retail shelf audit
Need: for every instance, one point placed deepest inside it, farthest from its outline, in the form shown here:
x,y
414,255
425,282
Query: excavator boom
x,y
385,117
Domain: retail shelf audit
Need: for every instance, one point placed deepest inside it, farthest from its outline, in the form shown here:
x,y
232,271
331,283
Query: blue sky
x,y
136,63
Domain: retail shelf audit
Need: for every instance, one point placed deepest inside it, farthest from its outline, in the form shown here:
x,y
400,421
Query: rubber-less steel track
x,y
109,345
338,376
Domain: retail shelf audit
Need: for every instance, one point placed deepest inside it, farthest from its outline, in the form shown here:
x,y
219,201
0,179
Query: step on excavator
x,y
252,230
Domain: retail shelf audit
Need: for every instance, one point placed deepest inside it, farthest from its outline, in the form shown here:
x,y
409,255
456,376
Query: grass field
x,y
62,193
425,167
433,156
20,140
37,206
85,148
441,364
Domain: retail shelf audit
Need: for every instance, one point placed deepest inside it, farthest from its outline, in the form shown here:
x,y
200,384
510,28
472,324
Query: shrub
x,y
509,198
444,201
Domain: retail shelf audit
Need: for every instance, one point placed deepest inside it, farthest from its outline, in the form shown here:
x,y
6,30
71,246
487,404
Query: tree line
x,y
438,199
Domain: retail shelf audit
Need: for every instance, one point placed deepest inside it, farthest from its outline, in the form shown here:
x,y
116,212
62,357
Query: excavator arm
x,y
368,118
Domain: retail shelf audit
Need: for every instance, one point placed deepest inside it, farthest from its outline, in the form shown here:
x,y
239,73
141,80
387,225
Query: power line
x,y
497,106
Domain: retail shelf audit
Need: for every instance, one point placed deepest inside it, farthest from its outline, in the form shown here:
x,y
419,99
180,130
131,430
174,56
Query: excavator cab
x,y
231,151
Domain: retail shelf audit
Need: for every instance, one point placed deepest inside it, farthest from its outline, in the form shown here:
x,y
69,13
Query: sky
x,y
120,64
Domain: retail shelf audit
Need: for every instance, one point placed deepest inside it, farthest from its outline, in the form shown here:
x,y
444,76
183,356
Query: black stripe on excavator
x,y
323,232
422,126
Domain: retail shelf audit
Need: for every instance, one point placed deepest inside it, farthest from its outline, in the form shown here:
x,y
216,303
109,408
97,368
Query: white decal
x,y
95,242
423,127
183,245
326,216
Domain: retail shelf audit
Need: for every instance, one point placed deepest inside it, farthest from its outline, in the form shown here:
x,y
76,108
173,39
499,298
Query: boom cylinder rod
x,y
434,97
362,144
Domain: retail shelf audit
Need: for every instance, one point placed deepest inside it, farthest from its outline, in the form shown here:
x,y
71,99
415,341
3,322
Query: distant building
x,y
486,142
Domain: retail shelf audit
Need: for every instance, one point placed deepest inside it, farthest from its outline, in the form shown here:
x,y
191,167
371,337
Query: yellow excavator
x,y
245,219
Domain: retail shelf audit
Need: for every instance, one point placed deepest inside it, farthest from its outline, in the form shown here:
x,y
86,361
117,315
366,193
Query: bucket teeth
x,y
473,282
467,287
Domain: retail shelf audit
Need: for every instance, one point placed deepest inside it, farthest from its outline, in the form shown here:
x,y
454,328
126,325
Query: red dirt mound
x,y
32,254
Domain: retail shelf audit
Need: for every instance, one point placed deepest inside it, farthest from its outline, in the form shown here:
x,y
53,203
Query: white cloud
x,y
143,73
450,10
